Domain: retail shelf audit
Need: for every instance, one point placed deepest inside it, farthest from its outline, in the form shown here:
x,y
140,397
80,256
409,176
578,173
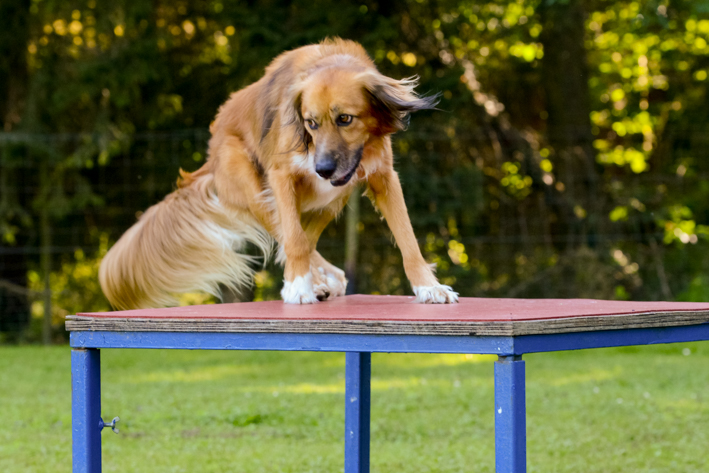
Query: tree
x,y
14,305
566,157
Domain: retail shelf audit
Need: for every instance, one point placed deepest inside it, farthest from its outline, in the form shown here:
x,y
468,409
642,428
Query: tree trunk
x,y
14,36
45,230
565,77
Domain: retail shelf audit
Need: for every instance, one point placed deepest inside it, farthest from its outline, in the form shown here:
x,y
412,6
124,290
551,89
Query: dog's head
x,y
337,110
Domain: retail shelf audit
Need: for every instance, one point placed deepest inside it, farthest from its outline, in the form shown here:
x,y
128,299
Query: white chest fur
x,y
321,193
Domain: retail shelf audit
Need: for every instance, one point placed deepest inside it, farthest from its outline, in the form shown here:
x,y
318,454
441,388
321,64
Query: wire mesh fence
x,y
495,225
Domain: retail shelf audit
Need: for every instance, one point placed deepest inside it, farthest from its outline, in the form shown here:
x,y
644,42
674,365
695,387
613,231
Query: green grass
x,y
596,411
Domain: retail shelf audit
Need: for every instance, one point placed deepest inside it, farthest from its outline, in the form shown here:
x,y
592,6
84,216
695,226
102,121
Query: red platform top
x,y
403,309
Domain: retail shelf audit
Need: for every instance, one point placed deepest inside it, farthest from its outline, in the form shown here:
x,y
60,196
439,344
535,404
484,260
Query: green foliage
x,y
74,286
698,290
123,93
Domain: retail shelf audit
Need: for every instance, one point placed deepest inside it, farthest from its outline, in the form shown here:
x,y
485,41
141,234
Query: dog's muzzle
x,y
346,178
326,167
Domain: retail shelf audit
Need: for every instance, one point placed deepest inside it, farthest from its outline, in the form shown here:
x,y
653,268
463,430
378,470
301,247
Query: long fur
x,y
187,242
260,184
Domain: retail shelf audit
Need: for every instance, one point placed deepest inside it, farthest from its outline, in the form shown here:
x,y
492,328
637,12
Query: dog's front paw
x,y
299,291
327,285
334,279
438,294
329,280
322,292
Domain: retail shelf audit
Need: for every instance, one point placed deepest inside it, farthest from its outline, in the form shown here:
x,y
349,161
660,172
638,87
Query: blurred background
x,y
568,157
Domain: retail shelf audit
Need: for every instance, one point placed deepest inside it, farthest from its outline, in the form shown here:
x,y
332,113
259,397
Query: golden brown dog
x,y
284,156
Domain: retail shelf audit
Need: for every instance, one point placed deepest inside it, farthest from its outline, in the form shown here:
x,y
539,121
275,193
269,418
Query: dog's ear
x,y
393,100
293,118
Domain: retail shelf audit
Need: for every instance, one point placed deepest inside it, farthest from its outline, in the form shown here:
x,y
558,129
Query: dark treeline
x,y
567,157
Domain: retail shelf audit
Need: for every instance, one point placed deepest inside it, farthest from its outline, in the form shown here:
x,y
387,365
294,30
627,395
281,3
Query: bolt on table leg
x,y
358,369
86,410
510,416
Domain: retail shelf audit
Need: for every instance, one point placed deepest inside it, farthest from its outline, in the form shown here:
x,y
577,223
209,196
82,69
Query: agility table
x,y
361,325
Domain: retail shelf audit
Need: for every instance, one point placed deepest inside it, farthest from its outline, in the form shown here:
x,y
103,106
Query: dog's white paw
x,y
327,286
438,294
322,290
334,280
299,291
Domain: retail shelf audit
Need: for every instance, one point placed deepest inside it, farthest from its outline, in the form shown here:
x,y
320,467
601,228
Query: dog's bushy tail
x,y
187,242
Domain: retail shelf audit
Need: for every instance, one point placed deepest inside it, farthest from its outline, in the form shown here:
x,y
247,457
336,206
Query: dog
x,y
284,155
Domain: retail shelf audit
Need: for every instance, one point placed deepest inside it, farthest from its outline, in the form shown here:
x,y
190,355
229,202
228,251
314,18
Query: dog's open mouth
x,y
346,178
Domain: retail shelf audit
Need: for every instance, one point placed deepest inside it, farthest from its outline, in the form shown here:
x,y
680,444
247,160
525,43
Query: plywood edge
x,y
610,322
366,327
363,327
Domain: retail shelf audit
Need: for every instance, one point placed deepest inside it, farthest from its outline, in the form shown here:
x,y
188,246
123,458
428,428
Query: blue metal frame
x,y
609,338
358,372
510,422
86,410
510,416
295,342
498,345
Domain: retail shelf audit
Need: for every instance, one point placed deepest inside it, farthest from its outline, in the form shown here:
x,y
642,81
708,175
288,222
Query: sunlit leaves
x,y
491,32
513,181
527,51
620,156
680,226
619,213
457,254
634,58
409,59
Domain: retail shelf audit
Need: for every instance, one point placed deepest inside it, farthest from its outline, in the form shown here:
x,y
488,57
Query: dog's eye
x,y
343,120
312,124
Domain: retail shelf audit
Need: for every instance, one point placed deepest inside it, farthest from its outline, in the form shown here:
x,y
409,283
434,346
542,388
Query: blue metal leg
x,y
510,416
358,370
86,410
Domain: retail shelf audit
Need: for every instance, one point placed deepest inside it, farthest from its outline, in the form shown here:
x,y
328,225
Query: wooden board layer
x,y
397,315
403,309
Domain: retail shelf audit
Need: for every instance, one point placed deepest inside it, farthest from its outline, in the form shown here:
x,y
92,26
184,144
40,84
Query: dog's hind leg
x,y
239,182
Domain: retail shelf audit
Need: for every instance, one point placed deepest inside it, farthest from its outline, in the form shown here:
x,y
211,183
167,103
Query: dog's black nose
x,y
325,167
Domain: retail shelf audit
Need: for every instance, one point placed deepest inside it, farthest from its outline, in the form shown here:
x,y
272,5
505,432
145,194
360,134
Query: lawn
x,y
597,411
